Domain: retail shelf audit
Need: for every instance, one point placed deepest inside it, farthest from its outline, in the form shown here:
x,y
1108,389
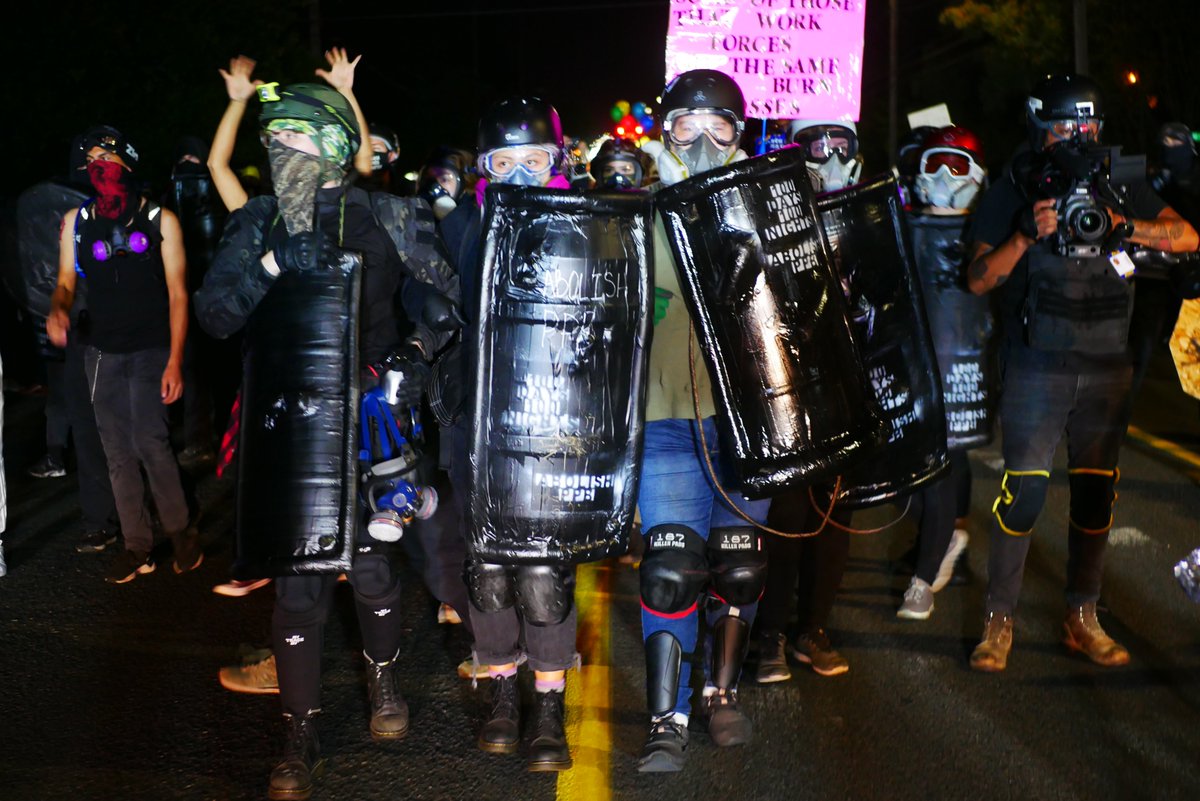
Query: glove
x,y
662,299
441,314
405,388
310,250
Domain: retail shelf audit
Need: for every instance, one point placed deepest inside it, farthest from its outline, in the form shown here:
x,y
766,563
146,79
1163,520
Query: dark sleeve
x,y
995,217
236,281
412,228
1144,203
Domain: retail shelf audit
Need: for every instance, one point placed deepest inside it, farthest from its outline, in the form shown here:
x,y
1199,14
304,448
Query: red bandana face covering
x,y
113,187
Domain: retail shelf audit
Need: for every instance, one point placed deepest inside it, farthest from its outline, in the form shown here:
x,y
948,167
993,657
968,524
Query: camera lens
x,y
1091,223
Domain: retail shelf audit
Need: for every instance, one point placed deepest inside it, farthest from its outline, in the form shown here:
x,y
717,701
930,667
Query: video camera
x,y
1085,182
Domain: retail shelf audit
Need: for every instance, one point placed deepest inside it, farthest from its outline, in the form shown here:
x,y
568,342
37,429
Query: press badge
x,y
1121,262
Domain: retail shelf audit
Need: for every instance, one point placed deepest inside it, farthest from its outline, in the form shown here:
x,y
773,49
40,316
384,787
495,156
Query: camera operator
x,y
1064,306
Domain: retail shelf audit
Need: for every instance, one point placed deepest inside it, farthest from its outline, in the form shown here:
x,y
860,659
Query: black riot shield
x,y
297,477
866,229
562,345
791,395
962,327
40,211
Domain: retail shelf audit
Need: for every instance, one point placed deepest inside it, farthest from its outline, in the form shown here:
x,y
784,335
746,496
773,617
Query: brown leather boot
x,y
1082,632
991,655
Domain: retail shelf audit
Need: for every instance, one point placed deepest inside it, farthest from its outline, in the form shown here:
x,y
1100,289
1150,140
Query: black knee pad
x,y
1022,494
372,576
545,593
738,564
1093,493
489,586
674,569
302,600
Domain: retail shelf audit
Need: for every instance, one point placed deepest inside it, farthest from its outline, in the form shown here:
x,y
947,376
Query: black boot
x,y
291,780
502,731
666,746
389,712
548,751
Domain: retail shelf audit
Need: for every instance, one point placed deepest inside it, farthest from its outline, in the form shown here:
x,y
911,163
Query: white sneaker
x,y
918,601
958,544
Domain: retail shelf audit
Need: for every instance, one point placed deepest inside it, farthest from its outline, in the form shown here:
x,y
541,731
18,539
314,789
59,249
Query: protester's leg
x,y
96,501
152,440
377,601
551,650
1095,429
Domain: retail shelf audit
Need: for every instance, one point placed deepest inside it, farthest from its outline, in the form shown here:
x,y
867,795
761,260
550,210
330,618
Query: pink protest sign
x,y
792,58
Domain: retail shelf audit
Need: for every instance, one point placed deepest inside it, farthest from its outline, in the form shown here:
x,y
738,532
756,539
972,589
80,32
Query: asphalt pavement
x,y
111,692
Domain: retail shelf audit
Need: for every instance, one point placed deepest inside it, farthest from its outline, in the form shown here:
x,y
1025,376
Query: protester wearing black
x,y
312,137
1064,312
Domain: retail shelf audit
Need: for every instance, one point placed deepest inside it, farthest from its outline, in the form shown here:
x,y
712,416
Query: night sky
x,y
428,69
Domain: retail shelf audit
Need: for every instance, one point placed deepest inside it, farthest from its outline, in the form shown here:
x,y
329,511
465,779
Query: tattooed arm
x,y
1168,232
990,266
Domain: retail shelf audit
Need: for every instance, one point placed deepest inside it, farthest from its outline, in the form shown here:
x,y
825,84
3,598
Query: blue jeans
x,y
676,488
1037,408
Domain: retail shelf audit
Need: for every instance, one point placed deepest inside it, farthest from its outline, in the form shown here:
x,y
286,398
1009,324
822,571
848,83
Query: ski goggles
x,y
685,126
536,159
957,162
823,142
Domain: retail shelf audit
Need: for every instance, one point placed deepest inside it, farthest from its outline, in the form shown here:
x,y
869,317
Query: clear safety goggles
x,y
1083,129
957,162
535,159
685,126
823,142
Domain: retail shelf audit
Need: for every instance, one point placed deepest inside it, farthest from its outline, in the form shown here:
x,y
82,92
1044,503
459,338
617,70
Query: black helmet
x,y
519,121
697,89
619,150
112,140
444,157
312,102
1059,98
908,154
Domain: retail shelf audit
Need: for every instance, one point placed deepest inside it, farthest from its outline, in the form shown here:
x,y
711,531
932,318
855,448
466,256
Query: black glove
x,y
441,314
310,250
409,385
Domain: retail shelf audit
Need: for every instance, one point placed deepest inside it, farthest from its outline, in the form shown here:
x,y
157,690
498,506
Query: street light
x,y
1131,77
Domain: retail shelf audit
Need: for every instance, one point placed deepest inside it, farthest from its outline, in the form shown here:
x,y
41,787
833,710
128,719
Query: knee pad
x,y
674,569
373,577
738,564
545,593
489,586
1022,493
1093,493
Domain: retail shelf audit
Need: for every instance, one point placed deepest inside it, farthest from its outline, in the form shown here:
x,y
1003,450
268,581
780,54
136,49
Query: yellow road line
x,y
1166,446
589,692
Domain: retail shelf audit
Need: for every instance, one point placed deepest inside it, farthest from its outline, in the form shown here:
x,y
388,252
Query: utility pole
x,y
894,78
1081,50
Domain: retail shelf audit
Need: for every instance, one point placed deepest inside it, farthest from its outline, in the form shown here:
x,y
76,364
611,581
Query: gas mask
x,y
673,168
948,179
834,174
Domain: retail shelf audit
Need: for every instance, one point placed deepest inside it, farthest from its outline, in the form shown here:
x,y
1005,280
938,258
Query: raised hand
x,y
340,74
238,84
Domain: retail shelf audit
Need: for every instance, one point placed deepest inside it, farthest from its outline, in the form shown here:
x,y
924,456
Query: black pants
x,y
499,635
437,550
95,490
806,572
298,626
933,507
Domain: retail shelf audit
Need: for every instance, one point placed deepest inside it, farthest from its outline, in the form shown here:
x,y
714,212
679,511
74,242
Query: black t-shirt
x,y
128,306
995,220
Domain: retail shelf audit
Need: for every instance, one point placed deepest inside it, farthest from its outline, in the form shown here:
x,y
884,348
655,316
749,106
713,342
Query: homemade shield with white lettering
x,y
962,328
297,491
866,230
791,395
562,344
